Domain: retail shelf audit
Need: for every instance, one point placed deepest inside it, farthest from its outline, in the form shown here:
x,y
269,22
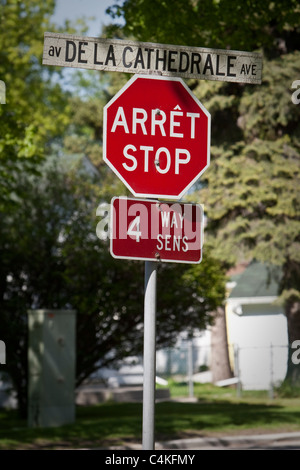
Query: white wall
x,y
175,360
260,332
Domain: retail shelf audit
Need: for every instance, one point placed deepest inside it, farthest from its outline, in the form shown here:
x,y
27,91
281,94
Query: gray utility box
x,y
51,367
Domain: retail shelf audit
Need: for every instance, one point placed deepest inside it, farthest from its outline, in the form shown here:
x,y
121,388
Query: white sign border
x,y
104,149
153,259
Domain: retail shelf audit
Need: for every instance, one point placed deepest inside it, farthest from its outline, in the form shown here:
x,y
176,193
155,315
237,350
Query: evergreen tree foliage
x,y
36,109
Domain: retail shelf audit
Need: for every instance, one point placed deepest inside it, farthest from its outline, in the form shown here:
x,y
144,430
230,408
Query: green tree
x,y
51,258
250,190
233,24
252,197
50,255
92,90
36,110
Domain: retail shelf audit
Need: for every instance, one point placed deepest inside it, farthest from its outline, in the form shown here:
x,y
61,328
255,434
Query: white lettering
x,y
141,121
193,116
181,219
179,160
103,227
174,123
160,246
295,95
157,161
167,243
135,233
146,156
162,158
2,92
2,352
131,157
158,122
174,220
172,243
120,115
176,243
185,248
116,460
296,354
165,218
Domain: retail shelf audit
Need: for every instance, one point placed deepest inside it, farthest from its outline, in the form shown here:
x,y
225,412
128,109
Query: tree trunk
x,y
220,365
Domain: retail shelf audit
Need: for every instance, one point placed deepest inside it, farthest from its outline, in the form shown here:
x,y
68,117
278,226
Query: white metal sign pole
x,y
149,354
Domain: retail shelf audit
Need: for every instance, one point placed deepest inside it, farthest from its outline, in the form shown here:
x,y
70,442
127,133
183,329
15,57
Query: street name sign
x,y
143,229
156,136
117,55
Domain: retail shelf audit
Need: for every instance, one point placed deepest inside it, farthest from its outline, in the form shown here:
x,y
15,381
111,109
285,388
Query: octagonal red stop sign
x,y
156,136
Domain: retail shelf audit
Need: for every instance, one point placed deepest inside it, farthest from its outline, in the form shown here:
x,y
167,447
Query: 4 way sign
x,y
152,230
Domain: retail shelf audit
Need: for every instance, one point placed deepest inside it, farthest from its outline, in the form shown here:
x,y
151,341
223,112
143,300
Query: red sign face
x,y
155,230
156,136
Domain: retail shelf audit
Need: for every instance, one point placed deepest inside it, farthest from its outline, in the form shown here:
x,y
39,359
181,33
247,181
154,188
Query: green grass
x,y
216,412
181,389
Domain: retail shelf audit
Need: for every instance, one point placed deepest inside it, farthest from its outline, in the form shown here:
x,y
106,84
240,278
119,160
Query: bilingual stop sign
x,y
156,136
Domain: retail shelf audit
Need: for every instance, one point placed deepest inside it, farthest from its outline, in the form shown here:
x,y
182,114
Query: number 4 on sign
x,y
135,233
